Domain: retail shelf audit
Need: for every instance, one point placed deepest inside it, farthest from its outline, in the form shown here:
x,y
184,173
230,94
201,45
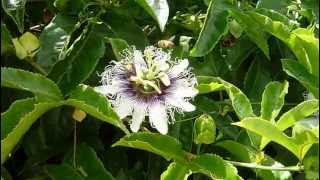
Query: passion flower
x,y
149,84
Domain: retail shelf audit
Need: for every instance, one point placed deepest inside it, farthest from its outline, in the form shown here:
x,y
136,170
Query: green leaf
x,y
214,28
301,41
264,128
238,53
214,167
210,87
306,48
157,9
163,145
277,16
258,77
130,31
169,148
314,6
176,171
247,154
42,87
80,60
299,72
70,7
213,65
299,112
277,5
53,39
11,117
239,101
253,31
6,43
294,115
273,100
95,104
242,152
118,46
15,9
17,120
311,163
88,163
5,175
205,130
63,171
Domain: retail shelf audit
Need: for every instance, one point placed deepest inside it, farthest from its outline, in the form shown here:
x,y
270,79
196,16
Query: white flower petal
x,y
163,65
138,61
184,89
186,92
123,108
180,103
137,118
106,89
179,68
158,117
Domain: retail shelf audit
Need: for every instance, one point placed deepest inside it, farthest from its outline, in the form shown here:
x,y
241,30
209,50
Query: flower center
x,y
149,80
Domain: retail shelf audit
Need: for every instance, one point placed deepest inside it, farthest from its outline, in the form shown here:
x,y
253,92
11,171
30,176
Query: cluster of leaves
x,y
257,68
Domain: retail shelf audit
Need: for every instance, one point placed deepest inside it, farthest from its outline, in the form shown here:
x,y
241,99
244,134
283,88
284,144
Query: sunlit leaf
x,y
294,115
273,100
296,144
297,113
176,171
301,41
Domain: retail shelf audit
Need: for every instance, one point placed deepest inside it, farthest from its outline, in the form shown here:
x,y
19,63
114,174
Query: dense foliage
x,y
257,67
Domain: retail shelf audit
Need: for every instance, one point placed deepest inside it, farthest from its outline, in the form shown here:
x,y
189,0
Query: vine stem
x,y
198,149
256,166
37,66
255,103
74,144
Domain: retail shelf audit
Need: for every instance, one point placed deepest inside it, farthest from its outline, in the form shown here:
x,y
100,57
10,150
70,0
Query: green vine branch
x,y
256,166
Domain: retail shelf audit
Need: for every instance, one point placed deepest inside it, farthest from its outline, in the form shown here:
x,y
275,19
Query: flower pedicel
x,y
149,84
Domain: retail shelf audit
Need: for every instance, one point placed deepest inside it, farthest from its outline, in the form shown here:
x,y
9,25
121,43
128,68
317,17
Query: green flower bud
x,y
205,130
21,53
26,45
235,29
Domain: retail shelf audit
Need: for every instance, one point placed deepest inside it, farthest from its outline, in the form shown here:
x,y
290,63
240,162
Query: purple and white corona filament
x,y
149,84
